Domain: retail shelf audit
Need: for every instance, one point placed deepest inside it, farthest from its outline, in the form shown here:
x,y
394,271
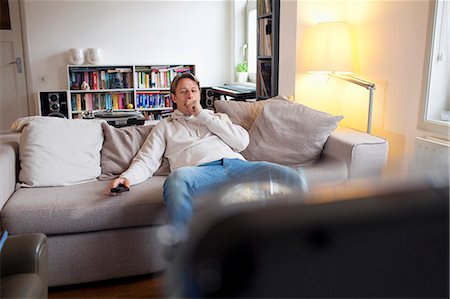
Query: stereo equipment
x,y
53,103
121,119
207,98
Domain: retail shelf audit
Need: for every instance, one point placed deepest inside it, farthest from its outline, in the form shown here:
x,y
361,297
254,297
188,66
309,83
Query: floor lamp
x,y
332,52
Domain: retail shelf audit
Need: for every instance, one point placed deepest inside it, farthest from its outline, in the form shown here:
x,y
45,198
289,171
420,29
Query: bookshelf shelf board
x,y
95,68
265,16
151,89
102,90
155,109
98,110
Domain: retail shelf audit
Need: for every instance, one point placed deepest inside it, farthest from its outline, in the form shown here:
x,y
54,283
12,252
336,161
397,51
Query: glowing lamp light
x,y
331,48
332,52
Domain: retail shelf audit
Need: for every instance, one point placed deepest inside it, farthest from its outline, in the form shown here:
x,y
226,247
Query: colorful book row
x,y
153,100
158,77
101,101
101,78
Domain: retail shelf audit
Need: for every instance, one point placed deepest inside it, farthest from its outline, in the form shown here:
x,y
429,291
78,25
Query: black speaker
x,y
208,98
54,103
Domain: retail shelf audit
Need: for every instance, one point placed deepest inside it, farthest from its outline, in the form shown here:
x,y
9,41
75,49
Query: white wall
x,y
288,47
391,38
128,32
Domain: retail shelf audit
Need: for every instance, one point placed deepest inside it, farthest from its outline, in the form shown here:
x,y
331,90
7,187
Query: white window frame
x,y
437,45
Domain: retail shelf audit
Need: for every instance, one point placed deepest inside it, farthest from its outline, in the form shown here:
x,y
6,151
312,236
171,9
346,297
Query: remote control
x,y
119,189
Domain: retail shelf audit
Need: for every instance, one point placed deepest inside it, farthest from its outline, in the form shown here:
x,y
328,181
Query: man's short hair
x,y
177,78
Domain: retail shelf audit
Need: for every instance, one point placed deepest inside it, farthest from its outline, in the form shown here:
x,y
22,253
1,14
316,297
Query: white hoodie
x,y
187,141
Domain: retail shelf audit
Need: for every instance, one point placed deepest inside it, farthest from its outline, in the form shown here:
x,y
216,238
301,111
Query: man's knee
x,y
179,175
177,179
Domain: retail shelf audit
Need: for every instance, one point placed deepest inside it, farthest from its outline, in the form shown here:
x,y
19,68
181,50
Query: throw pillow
x,y
57,152
243,113
119,148
289,133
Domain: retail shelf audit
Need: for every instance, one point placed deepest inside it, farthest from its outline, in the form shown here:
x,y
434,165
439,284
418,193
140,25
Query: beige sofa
x,y
92,236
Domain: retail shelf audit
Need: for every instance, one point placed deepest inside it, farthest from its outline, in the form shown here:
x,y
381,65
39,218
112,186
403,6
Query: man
x,y
203,152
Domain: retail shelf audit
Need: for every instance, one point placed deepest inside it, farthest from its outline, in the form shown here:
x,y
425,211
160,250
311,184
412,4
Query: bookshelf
x,y
145,88
268,15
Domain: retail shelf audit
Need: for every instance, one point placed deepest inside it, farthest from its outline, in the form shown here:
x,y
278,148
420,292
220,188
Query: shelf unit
x,y
145,88
268,15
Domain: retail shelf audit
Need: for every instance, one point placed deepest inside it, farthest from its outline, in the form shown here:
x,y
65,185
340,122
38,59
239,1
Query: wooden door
x,y
13,91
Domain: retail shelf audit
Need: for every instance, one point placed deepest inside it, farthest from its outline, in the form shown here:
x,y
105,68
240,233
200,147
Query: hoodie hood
x,y
181,117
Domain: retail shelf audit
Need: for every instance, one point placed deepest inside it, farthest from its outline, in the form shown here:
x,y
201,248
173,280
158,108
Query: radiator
x,y
432,158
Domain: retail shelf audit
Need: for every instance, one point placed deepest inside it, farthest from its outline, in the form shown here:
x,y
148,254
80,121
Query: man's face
x,y
187,90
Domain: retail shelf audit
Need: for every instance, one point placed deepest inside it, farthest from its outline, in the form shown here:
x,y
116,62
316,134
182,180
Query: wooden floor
x,y
145,286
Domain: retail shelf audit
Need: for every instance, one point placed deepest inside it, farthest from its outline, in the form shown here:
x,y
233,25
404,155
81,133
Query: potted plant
x,y
242,72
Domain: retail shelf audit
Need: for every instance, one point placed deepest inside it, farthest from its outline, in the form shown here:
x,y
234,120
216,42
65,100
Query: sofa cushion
x,y
119,148
83,208
289,133
56,152
243,113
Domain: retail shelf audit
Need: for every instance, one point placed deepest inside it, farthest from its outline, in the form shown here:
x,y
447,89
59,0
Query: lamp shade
x,y
331,48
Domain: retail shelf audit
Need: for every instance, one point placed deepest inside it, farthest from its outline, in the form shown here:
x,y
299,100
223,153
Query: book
x,y
103,80
89,101
86,77
78,102
73,102
94,80
102,104
120,101
115,97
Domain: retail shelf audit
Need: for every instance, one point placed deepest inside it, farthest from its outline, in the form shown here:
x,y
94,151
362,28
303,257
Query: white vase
x,y
76,56
93,55
241,77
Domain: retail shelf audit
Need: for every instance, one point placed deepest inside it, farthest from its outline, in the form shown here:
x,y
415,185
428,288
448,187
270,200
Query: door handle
x,y
18,63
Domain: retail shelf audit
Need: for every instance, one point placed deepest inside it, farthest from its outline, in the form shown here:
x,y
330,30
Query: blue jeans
x,y
186,183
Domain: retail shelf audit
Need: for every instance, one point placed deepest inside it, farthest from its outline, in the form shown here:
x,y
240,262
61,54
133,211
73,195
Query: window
x,y
436,108
251,38
245,35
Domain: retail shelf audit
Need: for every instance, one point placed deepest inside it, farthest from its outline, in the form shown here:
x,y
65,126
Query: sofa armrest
x,y
9,159
26,253
364,154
